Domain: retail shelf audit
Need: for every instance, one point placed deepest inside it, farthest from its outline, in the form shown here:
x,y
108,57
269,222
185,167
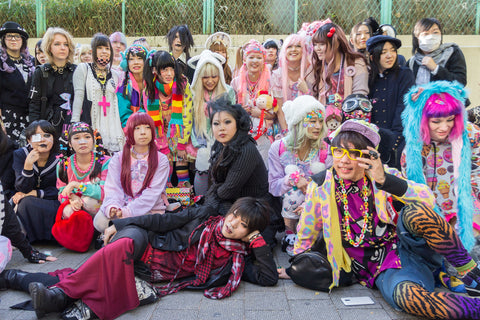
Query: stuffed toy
x,y
333,118
295,197
266,103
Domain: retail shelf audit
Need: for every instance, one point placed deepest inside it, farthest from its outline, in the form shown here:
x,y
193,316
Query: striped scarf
x,y
211,240
175,101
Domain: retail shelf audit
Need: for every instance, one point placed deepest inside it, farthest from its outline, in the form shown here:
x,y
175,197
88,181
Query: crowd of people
x,y
366,160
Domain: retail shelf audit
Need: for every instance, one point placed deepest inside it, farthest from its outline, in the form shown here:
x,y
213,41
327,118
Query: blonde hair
x,y
207,70
298,136
83,48
48,40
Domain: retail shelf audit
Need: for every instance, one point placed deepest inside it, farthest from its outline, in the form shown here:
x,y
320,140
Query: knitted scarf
x,y
211,240
175,126
130,89
461,151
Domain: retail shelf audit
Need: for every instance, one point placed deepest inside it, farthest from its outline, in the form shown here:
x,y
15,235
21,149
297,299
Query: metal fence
x,y
83,18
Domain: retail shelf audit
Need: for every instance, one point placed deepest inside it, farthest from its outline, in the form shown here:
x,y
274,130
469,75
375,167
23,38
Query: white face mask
x,y
430,42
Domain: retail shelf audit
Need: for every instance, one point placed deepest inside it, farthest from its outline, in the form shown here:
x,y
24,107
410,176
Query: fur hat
x,y
13,27
461,151
199,61
295,111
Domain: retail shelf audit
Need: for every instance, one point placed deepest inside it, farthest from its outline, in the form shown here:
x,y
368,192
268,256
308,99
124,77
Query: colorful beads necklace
x,y
77,168
347,217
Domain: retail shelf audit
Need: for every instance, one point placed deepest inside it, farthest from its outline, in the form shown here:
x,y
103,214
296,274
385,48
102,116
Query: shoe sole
x,y
36,295
472,292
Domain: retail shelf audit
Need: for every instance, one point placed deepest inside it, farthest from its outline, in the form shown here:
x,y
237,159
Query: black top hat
x,y
13,27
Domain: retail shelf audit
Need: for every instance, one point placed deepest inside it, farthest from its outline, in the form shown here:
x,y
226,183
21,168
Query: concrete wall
x,y
470,45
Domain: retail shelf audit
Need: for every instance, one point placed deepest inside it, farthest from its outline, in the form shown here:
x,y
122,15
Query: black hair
x,y
142,55
375,62
222,156
38,46
46,127
65,147
161,60
185,37
373,26
425,24
255,212
358,140
22,48
270,44
101,40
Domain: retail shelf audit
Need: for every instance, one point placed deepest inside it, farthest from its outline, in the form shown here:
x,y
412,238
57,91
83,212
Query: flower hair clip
x,y
331,32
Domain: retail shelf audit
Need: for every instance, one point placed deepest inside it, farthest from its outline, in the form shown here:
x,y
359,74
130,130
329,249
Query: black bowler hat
x,y
13,27
373,41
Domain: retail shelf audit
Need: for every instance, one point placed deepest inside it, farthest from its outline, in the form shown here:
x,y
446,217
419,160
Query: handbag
x,y
183,195
311,269
74,233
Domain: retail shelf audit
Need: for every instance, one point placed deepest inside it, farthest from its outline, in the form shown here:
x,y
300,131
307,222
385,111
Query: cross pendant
x,y
104,104
32,92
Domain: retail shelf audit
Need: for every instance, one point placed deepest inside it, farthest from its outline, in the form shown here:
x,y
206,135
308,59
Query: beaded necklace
x,y
252,88
77,168
347,217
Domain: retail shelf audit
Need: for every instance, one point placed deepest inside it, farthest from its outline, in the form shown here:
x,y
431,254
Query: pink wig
x,y
263,80
137,119
441,105
292,39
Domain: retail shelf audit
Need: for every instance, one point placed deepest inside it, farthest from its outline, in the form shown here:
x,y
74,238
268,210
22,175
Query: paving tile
x,y
284,301
307,309
362,314
173,314
260,301
267,315
221,309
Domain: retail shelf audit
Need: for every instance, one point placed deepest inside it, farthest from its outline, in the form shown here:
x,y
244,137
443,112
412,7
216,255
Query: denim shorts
x,y
418,262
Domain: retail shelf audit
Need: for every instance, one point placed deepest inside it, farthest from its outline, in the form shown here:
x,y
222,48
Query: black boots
x,y
48,300
10,279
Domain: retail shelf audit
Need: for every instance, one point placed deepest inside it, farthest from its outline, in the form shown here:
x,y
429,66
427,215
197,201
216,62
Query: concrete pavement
x,y
283,302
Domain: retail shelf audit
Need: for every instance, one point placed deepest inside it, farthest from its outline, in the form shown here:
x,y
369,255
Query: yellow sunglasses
x,y
352,154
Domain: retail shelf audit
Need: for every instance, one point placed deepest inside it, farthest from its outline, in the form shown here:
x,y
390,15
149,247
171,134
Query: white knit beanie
x,y
295,111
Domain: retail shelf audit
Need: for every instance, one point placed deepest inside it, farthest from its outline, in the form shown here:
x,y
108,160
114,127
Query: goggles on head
x,y
356,102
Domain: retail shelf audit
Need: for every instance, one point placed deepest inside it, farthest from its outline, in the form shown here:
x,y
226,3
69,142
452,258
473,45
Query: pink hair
x,y
441,105
263,80
283,62
137,119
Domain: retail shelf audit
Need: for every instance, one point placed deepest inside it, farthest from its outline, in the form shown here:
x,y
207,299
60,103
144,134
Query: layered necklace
x,y
348,217
77,167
